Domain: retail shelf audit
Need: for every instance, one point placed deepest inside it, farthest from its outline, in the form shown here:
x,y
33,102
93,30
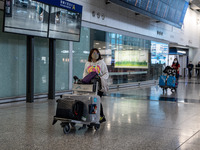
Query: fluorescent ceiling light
x,y
182,52
64,51
86,52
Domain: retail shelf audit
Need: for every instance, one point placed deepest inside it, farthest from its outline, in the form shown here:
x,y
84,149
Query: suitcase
x,y
91,107
162,80
69,109
171,81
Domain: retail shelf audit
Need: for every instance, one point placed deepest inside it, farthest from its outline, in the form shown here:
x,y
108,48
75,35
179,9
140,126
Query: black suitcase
x,y
69,109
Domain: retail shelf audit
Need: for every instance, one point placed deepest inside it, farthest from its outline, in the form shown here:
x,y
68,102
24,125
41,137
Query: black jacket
x,y
190,66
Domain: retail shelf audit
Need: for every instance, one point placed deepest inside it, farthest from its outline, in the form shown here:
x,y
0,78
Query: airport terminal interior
x,y
150,60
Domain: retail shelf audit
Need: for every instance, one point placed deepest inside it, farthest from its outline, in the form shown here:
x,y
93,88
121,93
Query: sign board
x,y
63,4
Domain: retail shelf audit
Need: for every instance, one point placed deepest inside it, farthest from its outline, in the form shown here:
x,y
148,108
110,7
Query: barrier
x,y
194,71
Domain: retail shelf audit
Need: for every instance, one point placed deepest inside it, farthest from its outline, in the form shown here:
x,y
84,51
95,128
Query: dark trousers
x,y
190,73
101,109
197,72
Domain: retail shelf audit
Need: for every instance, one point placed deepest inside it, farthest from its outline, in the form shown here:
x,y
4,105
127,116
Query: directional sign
x,y
63,4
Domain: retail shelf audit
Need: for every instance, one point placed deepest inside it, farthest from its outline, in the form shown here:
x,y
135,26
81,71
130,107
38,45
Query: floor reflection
x,y
187,92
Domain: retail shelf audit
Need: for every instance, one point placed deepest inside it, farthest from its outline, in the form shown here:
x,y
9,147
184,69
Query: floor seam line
x,y
187,139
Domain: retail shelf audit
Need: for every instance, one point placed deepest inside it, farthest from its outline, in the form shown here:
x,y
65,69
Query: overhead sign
x,y
63,4
168,11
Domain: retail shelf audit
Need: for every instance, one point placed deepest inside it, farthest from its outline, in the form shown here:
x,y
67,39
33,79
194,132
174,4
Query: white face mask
x,y
95,56
175,61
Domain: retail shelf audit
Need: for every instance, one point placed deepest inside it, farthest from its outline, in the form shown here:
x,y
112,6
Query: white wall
x,y
196,58
123,19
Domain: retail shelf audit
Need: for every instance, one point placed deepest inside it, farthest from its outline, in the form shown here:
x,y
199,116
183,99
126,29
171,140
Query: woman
x,y
96,64
176,66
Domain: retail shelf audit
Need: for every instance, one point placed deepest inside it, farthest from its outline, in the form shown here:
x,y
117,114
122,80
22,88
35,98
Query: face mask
x,y
95,56
175,61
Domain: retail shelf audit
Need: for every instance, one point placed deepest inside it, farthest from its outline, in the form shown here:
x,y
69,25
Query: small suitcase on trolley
x,y
162,81
171,81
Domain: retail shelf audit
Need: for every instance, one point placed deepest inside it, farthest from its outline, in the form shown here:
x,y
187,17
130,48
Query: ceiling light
x,y
86,52
182,52
64,51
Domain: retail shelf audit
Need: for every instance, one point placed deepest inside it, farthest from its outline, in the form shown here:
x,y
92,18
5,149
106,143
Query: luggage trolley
x,y
87,94
168,80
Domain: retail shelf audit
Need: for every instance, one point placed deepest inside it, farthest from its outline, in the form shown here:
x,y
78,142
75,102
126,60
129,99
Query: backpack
x,y
78,108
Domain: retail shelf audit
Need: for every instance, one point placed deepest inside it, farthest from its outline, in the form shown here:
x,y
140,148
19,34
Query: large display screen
x,y
58,19
168,11
26,17
131,59
159,53
64,24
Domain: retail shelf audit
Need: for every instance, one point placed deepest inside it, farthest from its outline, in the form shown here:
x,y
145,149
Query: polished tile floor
x,y
137,119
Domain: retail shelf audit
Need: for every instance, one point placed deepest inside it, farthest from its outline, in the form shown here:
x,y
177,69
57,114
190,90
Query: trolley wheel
x,y
97,126
73,124
90,126
66,128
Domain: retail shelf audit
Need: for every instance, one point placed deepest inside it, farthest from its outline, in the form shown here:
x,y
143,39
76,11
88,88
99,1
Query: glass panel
x,y
41,65
62,65
12,64
128,59
81,52
133,55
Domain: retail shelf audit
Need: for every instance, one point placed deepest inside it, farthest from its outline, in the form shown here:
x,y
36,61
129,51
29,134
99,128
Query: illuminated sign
x,y
63,4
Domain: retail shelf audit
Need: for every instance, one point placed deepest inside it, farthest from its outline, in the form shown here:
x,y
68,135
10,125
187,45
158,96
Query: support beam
x,y
30,70
52,66
70,64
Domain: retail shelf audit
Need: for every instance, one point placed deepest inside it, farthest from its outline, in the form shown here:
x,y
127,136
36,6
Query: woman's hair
x,y
90,55
176,63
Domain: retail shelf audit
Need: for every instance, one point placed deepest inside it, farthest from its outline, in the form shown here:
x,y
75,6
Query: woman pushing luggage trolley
x,y
84,106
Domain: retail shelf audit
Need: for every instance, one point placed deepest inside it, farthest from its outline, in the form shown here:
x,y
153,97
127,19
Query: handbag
x,y
89,77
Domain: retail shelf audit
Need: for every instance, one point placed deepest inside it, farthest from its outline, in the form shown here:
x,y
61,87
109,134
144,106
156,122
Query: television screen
x,y
159,53
131,59
26,17
65,19
64,24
